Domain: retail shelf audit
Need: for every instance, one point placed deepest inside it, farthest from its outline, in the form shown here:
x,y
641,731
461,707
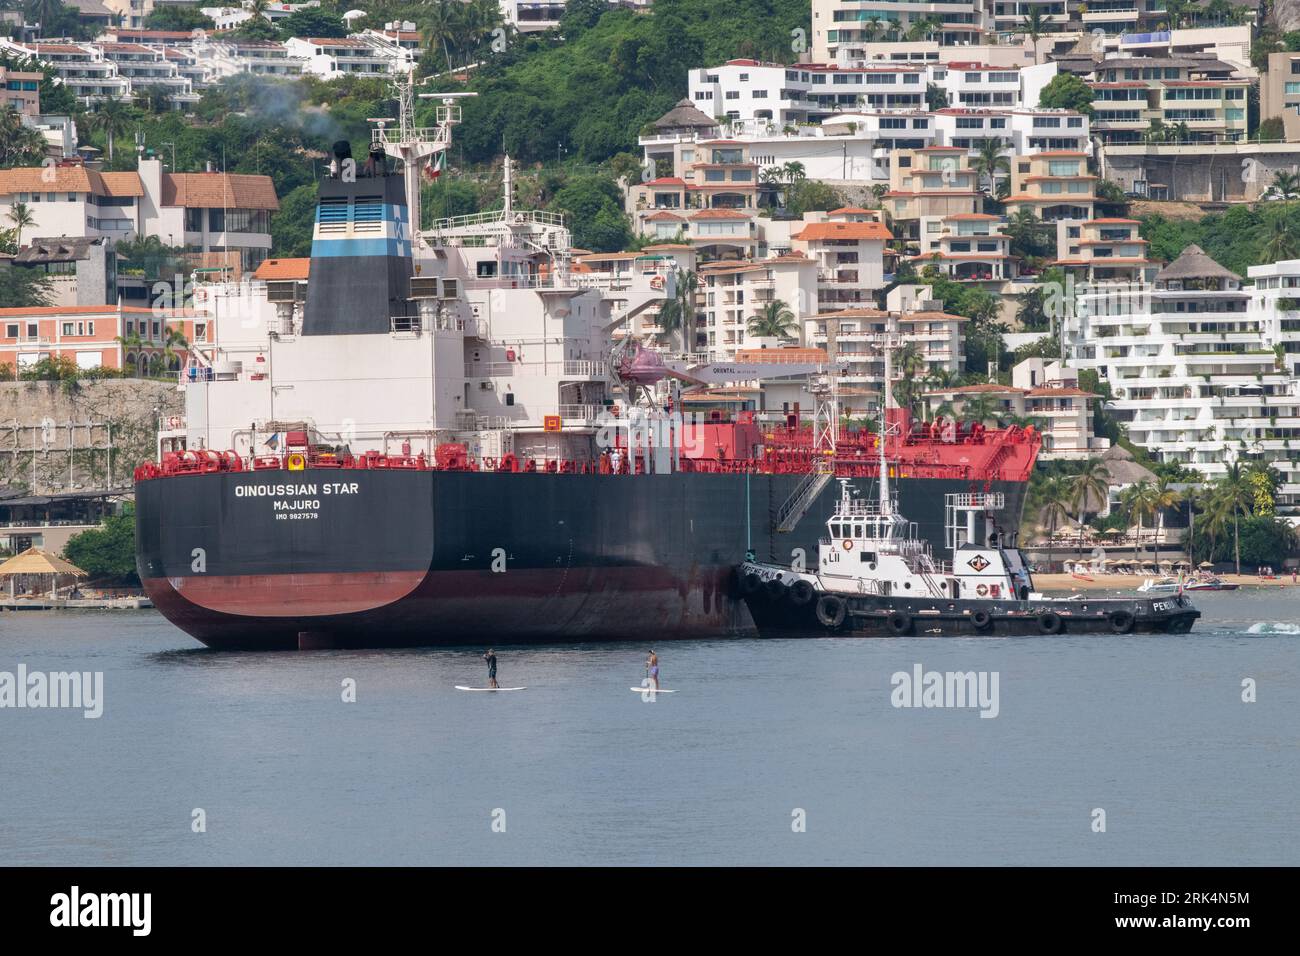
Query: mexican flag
x,y
433,168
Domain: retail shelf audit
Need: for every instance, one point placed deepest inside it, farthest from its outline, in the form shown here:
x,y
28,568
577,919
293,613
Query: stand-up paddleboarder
x,y
491,658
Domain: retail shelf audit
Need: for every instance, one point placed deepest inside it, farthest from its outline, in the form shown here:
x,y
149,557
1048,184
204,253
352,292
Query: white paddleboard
x,y
459,687
650,690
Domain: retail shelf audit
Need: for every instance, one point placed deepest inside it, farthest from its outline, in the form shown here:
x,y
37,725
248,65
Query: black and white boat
x,y
876,578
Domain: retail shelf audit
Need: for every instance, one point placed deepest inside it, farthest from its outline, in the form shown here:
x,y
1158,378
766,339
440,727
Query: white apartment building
x,y
852,336
1192,367
229,17
230,56
972,84
857,147
82,67
204,213
1047,392
850,25
147,67
350,56
788,96
804,92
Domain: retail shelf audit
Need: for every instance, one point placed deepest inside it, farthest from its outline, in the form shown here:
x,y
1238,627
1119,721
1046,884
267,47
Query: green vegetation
x,y
1237,238
1067,92
173,17
1236,521
592,94
107,553
23,287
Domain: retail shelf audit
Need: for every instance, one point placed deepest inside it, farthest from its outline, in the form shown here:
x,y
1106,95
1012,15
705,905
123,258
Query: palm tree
x,y
1056,501
1157,132
774,320
910,365
1139,500
132,344
989,161
874,26
1034,25
111,116
1165,498
1092,481
1285,186
21,215
438,25
794,172
174,345
1234,497
979,409
1280,239
677,315
44,12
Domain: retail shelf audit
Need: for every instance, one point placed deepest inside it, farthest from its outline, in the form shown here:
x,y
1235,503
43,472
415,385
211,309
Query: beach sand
x,y
1131,582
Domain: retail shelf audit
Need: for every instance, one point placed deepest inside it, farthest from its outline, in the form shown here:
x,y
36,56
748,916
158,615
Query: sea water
x,y
1126,750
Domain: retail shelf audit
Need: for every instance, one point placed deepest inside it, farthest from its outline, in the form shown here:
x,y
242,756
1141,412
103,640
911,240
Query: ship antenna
x,y
885,399
508,186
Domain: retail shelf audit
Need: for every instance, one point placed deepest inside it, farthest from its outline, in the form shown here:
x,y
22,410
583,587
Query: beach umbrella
x,y
1205,565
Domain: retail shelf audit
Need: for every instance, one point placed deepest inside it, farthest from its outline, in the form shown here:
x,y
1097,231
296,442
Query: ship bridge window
x,y
487,270
836,531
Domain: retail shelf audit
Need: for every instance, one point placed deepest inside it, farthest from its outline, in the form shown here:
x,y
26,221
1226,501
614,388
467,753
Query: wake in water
x,y
1267,627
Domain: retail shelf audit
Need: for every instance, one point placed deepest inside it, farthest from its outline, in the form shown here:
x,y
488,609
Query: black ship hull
x,y
383,558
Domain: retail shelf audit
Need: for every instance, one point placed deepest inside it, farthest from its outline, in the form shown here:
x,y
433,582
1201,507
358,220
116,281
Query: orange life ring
x,y
982,590
848,545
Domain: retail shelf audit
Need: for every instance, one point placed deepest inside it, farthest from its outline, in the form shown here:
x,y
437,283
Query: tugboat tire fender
x,y
1049,622
750,583
802,592
831,611
1121,622
775,588
981,619
899,623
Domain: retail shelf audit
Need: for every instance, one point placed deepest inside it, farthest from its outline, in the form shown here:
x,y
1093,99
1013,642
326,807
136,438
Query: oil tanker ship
x,y
451,435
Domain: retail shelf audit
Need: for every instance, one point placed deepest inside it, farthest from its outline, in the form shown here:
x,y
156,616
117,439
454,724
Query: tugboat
x,y
876,578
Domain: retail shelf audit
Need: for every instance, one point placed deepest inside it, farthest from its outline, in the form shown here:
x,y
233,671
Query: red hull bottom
x,y
415,609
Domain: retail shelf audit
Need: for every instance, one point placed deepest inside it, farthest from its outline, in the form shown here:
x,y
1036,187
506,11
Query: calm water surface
x,y
1151,729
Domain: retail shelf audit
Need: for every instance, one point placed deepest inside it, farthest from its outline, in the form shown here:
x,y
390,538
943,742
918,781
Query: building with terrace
x,y
229,56
96,336
928,185
350,56
851,24
975,85
148,68
1055,186
848,246
1191,99
805,92
82,67
1193,375
969,247
1107,250
852,336
202,213
731,293
1043,393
